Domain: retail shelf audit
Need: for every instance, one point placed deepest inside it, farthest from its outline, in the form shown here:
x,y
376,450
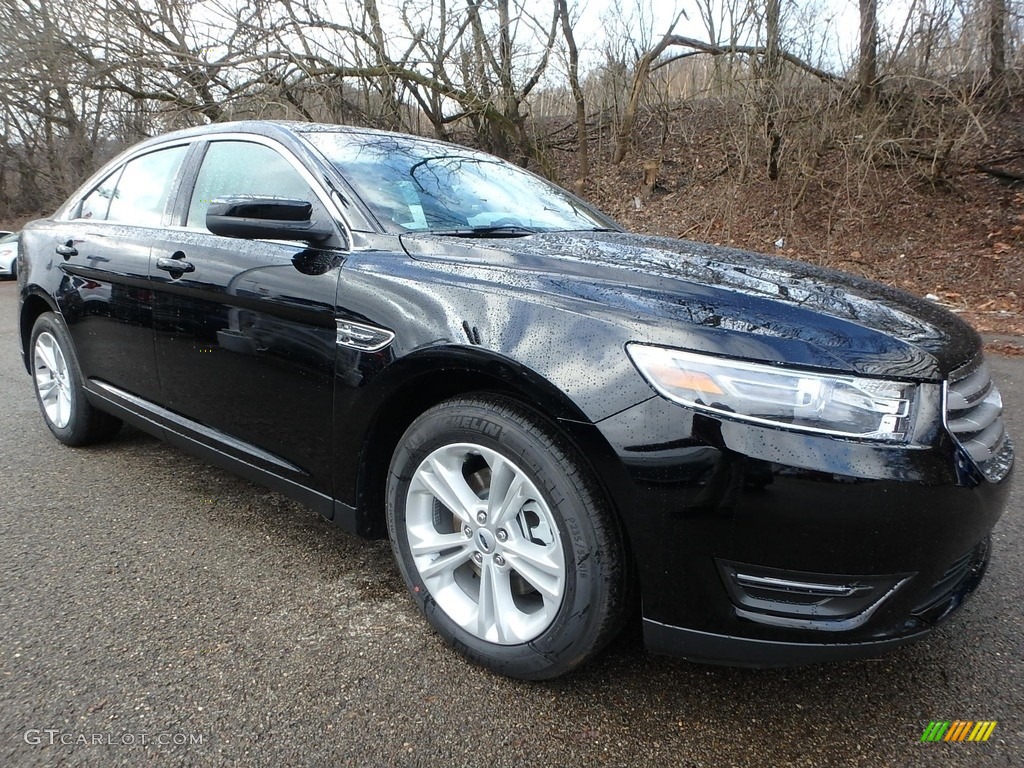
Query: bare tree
x,y
997,17
583,151
81,78
772,74
641,72
650,61
50,123
867,64
456,64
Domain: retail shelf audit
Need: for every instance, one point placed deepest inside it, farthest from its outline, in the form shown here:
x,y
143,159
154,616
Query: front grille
x,y
974,411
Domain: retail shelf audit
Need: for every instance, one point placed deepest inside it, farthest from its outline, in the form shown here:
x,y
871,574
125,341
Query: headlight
x,y
783,397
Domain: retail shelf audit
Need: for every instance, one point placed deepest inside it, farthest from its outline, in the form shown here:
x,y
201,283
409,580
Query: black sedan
x,y
550,418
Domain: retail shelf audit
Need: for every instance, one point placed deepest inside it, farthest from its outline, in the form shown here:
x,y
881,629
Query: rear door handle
x,y
176,263
67,250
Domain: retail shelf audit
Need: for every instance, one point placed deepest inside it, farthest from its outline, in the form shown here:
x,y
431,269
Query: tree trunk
x,y
583,153
390,116
636,92
772,75
997,41
867,66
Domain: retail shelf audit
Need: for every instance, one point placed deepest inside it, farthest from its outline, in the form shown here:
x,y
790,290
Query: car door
x,y
245,332
103,250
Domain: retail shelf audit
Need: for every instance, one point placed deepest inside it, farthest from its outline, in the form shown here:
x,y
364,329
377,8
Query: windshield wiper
x,y
503,230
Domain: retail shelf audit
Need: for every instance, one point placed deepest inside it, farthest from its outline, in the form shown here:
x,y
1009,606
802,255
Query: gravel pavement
x,y
155,610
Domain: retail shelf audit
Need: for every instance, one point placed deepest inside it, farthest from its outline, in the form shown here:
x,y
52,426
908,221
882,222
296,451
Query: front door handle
x,y
67,250
175,264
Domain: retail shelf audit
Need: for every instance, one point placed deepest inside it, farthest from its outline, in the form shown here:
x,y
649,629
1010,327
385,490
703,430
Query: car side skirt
x,y
221,450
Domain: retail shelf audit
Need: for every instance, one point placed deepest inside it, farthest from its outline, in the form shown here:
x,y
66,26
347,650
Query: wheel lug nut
x,y
502,534
481,517
467,531
499,560
478,558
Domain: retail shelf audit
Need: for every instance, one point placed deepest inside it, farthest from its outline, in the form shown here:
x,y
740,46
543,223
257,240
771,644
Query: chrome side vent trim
x,y
783,586
800,600
365,338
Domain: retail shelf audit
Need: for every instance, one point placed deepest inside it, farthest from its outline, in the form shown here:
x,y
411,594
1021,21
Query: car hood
x,y
726,301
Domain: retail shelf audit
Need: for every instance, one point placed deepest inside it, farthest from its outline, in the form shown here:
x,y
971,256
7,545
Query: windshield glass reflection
x,y
428,186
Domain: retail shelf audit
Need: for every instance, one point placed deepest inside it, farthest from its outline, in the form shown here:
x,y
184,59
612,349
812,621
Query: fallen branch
x,y
1005,177
651,61
712,49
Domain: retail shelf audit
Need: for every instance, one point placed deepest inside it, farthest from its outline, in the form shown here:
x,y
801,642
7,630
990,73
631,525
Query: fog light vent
x,y
805,600
956,583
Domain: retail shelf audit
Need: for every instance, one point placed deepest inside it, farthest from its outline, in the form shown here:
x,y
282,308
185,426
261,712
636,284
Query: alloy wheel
x,y
52,380
485,543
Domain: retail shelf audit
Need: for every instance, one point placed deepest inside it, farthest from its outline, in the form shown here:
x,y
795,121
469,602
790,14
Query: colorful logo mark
x,y
958,730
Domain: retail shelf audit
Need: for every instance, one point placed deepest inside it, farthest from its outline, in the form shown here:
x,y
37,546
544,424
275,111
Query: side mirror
x,y
270,218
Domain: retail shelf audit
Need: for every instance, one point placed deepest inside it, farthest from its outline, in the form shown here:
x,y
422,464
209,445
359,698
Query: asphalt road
x,y
177,615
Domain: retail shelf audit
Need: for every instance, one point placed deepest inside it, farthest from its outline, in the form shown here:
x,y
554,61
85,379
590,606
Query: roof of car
x,y
287,132
278,128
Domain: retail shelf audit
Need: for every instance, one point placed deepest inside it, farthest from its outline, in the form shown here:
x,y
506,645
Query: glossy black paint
x,y
237,360
728,302
246,345
105,286
790,501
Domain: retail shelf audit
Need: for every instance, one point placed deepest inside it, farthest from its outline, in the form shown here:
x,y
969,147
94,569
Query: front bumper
x,y
710,648
765,547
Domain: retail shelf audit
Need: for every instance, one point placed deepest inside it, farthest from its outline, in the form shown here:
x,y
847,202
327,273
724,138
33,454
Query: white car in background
x,y
8,254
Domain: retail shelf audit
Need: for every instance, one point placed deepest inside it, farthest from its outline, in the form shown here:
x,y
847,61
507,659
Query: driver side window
x,y
244,168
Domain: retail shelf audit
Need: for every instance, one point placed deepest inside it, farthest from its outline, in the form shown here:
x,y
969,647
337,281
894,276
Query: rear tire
x,y
504,538
59,386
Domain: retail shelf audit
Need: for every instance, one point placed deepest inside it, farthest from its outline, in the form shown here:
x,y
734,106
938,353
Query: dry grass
x,y
959,237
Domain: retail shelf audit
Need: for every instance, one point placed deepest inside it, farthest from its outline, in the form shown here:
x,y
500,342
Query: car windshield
x,y
429,186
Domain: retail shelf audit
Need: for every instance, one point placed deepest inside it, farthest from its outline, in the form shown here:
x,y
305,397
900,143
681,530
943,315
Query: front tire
x,y
504,538
59,386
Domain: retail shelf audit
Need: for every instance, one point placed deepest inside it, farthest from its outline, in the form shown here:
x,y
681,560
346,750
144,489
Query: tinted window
x,y
242,168
141,194
97,202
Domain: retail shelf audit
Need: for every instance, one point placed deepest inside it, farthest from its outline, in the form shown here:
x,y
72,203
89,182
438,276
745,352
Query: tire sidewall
x,y
572,634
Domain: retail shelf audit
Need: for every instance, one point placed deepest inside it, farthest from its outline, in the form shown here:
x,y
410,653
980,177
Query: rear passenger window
x,y
145,184
97,202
